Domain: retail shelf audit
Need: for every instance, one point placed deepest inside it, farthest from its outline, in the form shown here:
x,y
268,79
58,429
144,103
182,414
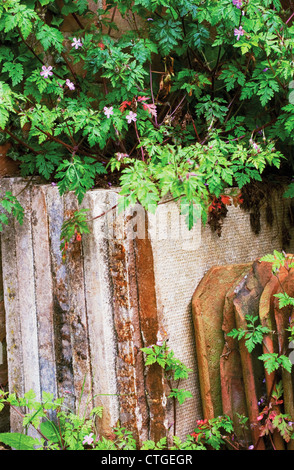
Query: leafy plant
x,y
72,229
253,335
214,433
69,431
272,362
10,205
174,369
191,99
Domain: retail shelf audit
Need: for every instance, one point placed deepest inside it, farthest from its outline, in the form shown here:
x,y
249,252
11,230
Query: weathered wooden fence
x,y
76,329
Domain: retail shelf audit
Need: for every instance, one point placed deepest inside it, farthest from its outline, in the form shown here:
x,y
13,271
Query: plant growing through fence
x,y
174,371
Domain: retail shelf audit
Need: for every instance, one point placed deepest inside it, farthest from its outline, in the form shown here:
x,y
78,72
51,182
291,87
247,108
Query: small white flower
x,y
69,84
131,117
108,111
46,71
88,439
239,32
76,43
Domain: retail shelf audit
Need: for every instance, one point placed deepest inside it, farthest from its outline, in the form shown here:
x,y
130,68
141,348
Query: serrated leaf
x,y
19,441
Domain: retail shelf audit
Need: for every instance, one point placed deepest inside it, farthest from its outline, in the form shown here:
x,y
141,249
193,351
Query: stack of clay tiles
x,y
232,380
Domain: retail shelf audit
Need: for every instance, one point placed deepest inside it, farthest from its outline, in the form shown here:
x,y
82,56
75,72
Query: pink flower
x,y
151,108
143,98
131,117
238,32
237,3
108,111
190,174
121,156
88,439
69,84
46,71
256,147
76,43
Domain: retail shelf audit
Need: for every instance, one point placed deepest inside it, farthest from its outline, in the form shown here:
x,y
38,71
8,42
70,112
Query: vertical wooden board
x,y
132,388
99,302
150,325
44,291
12,315
62,341
77,317
3,358
26,293
5,413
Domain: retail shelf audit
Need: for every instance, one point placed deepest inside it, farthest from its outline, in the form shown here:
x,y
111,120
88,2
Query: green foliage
x,y
213,433
253,335
10,205
69,431
78,175
276,259
73,228
124,439
188,444
180,80
19,441
180,395
281,422
173,368
151,445
272,362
